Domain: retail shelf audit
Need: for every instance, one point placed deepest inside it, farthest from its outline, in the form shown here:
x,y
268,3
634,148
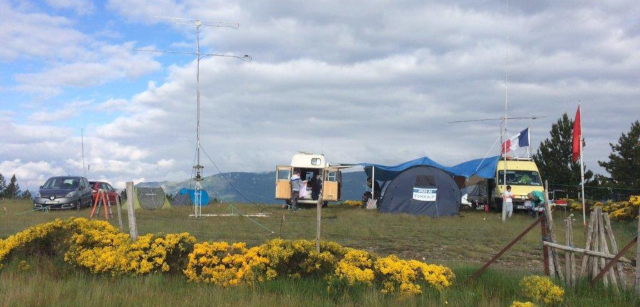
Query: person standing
x,y
507,200
316,186
296,184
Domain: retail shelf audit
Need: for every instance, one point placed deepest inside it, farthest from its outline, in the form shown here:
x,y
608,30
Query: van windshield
x,y
520,178
61,183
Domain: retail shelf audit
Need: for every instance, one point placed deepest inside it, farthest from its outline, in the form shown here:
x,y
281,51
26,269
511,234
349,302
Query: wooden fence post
x,y
614,250
319,217
131,213
119,213
555,259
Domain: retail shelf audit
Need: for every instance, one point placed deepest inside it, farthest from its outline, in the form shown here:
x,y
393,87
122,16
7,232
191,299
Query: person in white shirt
x,y
507,200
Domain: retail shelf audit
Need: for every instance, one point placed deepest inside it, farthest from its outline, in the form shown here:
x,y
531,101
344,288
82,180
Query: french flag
x,y
519,140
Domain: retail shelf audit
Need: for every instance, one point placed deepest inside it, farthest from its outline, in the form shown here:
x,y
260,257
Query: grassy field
x,y
462,243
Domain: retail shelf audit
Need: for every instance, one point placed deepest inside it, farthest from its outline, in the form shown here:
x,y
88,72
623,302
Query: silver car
x,y
65,192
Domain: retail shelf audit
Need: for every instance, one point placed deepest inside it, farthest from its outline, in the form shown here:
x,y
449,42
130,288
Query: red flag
x,y
577,136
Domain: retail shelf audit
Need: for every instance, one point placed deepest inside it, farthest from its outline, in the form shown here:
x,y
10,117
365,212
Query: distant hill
x,y
256,187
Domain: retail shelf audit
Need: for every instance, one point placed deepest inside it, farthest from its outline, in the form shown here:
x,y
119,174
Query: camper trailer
x,y
310,166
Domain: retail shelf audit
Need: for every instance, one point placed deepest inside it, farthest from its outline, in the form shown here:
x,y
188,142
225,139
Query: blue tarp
x,y
474,169
192,195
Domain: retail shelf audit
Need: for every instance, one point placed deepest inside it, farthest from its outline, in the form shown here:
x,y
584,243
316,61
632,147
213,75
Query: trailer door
x,y
330,186
283,182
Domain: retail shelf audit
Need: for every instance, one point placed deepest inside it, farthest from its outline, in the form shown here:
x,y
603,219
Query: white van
x,y
310,166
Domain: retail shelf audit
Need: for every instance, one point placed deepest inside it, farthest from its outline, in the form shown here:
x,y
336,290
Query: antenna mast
x,y
84,170
199,56
504,132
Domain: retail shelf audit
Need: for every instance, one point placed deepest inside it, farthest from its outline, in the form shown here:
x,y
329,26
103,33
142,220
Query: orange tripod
x,y
101,200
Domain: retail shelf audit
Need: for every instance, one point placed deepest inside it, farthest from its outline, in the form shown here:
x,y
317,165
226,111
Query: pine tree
x,y
3,185
13,189
624,161
554,158
27,195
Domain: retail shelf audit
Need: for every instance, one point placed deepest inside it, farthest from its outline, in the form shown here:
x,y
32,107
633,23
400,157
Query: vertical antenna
x,y
84,170
505,135
199,56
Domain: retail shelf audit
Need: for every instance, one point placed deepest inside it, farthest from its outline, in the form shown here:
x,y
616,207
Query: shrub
x,y
542,289
100,248
404,275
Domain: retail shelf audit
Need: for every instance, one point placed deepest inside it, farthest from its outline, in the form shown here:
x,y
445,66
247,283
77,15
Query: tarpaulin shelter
x,y
423,186
187,197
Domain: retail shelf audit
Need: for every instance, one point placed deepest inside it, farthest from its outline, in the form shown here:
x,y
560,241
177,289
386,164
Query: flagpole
x,y
584,210
529,137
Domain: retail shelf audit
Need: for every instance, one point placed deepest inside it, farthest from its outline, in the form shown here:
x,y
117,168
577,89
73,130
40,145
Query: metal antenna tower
x,y
84,170
199,56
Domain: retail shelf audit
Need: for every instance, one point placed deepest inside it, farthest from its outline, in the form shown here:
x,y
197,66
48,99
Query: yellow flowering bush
x,y
26,237
523,304
100,248
542,289
404,275
225,264
624,210
353,203
298,258
356,268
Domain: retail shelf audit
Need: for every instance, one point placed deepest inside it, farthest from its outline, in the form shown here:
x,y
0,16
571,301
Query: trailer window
x,y
315,161
520,178
332,176
284,174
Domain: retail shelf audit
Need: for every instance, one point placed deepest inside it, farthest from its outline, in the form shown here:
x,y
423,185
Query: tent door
x,y
331,184
283,182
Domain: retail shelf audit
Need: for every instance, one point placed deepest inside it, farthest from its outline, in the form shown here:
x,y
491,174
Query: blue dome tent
x,y
425,187
187,197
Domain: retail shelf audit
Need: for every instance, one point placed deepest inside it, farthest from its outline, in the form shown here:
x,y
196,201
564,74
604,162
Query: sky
x,y
360,81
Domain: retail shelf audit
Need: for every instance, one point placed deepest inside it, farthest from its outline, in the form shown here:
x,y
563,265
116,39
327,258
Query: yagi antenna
x,y
198,22
492,119
199,56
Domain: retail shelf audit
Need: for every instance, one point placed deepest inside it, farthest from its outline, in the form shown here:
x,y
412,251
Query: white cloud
x,y
29,174
67,112
81,7
374,83
164,163
115,62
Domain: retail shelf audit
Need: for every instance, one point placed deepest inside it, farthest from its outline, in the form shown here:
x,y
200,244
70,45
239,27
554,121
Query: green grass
x,y
462,243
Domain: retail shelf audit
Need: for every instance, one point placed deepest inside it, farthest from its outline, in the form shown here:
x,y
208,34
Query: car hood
x,y
47,192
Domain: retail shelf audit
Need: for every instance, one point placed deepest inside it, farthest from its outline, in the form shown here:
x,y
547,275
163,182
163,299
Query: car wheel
x,y
79,205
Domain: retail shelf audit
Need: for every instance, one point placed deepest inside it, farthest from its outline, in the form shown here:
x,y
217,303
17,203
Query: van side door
x,y
331,184
283,182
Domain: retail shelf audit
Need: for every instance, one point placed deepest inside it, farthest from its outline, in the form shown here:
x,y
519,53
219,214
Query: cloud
x,y
67,112
114,62
29,174
70,58
81,7
377,83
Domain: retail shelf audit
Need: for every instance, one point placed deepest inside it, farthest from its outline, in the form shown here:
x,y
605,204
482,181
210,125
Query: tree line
x,y
554,160
12,190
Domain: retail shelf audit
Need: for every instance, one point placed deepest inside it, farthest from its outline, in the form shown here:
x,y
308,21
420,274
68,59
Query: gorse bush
x,y
99,248
542,290
353,203
618,211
